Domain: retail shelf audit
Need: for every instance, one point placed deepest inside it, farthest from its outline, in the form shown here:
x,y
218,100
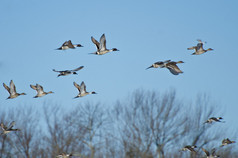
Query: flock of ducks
x,y
101,50
211,154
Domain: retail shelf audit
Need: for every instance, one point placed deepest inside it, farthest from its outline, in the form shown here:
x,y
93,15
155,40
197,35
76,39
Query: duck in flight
x,y
226,142
199,48
8,129
63,155
171,65
212,154
68,44
189,148
40,90
101,47
12,90
68,72
82,90
213,119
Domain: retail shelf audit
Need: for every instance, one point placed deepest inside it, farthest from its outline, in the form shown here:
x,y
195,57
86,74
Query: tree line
x,y
147,124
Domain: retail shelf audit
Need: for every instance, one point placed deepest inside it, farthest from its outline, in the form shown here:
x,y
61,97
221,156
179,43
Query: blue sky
x,y
144,32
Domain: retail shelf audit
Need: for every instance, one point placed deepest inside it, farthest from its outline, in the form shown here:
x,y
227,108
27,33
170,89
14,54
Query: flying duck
x,y
68,44
212,155
189,148
63,155
68,72
12,90
226,142
199,48
40,90
8,129
82,90
214,119
101,47
160,64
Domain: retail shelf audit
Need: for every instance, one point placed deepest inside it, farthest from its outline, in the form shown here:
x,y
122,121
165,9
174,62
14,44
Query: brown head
x,y
209,49
114,49
79,45
180,62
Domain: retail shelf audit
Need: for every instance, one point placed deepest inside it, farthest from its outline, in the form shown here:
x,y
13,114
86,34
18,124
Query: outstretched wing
x,y
11,125
95,42
70,45
83,87
33,87
77,86
77,69
199,46
102,42
39,89
194,47
174,69
65,43
3,126
207,153
12,88
57,71
6,87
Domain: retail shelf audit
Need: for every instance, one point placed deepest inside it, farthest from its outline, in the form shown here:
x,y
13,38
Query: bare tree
x,y
149,123
95,121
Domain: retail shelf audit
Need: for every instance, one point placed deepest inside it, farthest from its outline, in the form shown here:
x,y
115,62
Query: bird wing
x,y
12,88
70,45
77,86
213,151
207,153
65,43
199,46
77,69
39,89
190,48
174,69
11,125
3,126
95,42
33,87
102,42
6,87
83,87
57,71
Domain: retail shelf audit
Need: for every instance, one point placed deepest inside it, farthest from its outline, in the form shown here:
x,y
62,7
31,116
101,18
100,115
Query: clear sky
x,y
143,31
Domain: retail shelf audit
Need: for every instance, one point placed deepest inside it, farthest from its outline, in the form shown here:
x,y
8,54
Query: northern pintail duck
x,y
160,64
212,155
189,148
171,65
199,48
68,72
82,90
63,155
101,47
40,90
12,90
226,142
68,44
214,119
8,129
